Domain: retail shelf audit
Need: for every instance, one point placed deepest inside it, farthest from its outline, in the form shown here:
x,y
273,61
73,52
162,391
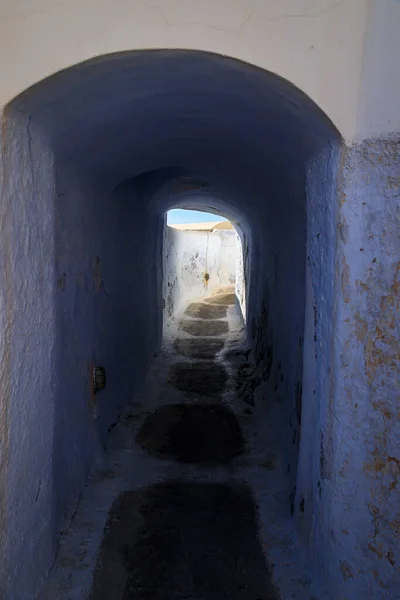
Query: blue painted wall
x,y
92,158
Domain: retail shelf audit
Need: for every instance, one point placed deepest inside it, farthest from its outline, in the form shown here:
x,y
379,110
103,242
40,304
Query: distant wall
x,y
188,255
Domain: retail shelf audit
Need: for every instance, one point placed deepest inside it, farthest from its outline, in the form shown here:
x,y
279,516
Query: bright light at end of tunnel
x,y
178,216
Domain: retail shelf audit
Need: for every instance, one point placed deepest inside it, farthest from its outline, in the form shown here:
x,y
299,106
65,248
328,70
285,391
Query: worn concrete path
x,y
191,502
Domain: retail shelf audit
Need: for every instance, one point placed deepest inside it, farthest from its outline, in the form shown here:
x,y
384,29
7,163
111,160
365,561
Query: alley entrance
x,y
92,158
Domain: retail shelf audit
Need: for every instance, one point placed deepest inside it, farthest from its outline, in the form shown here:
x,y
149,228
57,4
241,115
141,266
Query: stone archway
x,y
85,154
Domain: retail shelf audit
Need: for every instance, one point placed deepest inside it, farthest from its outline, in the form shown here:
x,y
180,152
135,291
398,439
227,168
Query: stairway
x,y
188,503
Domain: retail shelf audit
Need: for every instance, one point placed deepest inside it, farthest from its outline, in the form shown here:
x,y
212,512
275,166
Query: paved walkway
x,y
192,503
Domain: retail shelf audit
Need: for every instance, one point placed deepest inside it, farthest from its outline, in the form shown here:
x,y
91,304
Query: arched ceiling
x,y
174,115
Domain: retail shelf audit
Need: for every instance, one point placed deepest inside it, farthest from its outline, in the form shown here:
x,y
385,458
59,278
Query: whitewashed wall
x,y
188,255
240,283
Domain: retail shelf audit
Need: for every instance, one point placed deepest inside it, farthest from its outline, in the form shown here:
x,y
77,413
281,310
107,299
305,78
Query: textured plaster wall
x,y
27,345
365,427
316,456
108,304
75,292
347,498
316,44
188,255
242,271
276,306
224,265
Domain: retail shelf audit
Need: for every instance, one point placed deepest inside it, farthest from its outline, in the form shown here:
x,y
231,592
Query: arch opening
x,y
95,156
203,255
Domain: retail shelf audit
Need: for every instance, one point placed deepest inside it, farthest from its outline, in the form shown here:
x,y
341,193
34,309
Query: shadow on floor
x,y
204,378
205,433
201,348
183,541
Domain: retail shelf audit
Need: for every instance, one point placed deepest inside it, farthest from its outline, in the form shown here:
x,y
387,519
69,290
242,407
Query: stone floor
x,y
191,502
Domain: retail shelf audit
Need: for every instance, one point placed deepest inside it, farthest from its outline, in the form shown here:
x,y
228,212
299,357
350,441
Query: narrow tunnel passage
x,y
192,475
209,431
116,142
186,538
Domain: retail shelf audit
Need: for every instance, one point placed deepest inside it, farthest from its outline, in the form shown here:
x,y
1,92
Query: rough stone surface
x,y
205,378
201,328
199,347
366,439
205,433
349,478
201,310
223,299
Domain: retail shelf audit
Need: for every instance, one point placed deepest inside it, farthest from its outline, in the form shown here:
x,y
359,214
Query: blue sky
x,y
179,215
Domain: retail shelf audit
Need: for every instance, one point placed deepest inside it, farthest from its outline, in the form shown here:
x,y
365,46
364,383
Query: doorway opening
x,y
203,256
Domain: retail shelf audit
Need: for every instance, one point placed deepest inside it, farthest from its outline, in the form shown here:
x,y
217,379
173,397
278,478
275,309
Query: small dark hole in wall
x,y
62,281
302,505
99,378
